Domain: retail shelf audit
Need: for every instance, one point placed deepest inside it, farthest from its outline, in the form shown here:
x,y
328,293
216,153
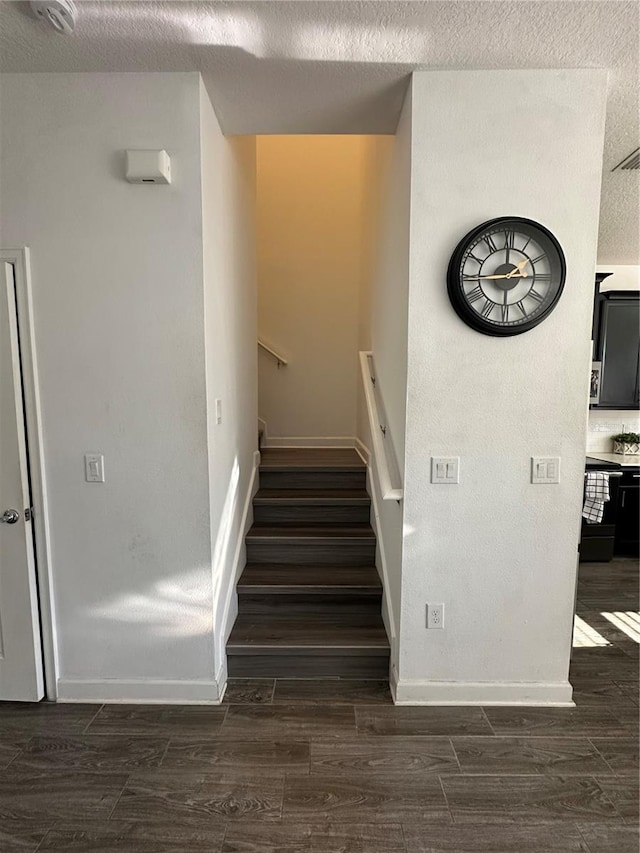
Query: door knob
x,y
10,516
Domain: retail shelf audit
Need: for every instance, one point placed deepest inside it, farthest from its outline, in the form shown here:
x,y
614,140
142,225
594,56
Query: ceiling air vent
x,y
630,162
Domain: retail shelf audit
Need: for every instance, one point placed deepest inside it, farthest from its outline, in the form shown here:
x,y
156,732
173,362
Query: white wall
x,y
500,553
119,316
312,266
389,305
228,203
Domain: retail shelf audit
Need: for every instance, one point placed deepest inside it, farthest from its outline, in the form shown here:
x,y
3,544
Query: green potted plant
x,y
626,442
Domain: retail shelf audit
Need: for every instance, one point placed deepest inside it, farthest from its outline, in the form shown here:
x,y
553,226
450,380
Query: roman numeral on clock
x,y
487,308
533,293
504,311
490,244
475,294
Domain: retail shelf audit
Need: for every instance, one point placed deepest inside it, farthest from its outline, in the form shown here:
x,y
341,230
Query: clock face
x,y
506,276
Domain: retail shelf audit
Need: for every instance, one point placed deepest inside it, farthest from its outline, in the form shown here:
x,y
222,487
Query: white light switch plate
x,y
545,469
94,467
445,470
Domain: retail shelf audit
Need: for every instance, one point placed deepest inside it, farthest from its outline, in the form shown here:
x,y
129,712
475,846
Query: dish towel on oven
x,y
596,494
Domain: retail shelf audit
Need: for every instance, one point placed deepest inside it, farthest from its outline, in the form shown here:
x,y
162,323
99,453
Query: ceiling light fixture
x,y
60,14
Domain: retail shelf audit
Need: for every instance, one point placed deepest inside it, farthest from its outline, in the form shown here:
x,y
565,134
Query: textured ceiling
x,y
342,67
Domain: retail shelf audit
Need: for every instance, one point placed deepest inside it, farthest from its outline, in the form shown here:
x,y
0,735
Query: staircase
x,y
309,598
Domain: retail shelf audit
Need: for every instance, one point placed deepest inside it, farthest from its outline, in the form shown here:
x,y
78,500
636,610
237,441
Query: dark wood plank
x,y
328,551
43,717
210,755
91,752
624,794
353,609
197,798
399,757
320,513
630,689
58,794
8,751
433,721
22,836
477,799
283,665
365,798
621,754
304,457
203,720
314,838
310,534
290,632
335,691
340,497
505,755
577,722
609,669
249,691
288,722
608,838
136,837
319,477
494,838
598,692
292,578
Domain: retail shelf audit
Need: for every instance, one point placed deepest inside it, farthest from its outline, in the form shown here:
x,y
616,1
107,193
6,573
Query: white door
x,y
20,649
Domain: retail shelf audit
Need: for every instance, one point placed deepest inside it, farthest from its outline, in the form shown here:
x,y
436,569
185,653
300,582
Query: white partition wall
x,y
499,552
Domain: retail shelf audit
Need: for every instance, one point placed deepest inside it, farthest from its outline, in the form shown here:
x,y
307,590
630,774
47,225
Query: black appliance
x,y
597,541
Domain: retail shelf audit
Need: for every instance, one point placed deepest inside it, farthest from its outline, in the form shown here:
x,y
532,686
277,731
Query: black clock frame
x,y
456,291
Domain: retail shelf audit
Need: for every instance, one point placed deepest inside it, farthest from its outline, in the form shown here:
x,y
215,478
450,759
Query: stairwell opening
x,y
310,596
317,200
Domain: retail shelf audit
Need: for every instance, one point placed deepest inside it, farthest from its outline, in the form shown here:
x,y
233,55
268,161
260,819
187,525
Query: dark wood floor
x,y
328,766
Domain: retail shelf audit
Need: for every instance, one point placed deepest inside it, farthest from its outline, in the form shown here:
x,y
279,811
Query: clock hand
x,y
518,271
507,275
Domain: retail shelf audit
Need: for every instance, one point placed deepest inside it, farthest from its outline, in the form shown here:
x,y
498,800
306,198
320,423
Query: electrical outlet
x,y
435,615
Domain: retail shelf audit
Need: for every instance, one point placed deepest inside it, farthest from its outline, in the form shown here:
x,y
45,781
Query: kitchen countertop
x,y
627,460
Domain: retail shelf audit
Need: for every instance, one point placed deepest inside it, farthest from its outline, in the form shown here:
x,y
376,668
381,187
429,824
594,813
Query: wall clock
x,y
506,276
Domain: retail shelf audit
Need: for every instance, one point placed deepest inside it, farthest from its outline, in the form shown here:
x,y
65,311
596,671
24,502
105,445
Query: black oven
x,y
597,540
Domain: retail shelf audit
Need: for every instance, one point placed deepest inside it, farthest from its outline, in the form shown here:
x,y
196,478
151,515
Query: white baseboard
x,y
413,692
148,691
363,451
310,441
393,681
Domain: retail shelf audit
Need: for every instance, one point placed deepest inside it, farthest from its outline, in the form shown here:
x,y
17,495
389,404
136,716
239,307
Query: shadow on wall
x,y
182,604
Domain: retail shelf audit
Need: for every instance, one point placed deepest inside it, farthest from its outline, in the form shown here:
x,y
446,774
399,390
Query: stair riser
x,y
312,479
321,514
347,553
303,666
333,606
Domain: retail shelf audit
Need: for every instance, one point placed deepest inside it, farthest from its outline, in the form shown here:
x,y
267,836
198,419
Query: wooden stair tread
x,y
310,459
268,533
267,578
312,496
289,634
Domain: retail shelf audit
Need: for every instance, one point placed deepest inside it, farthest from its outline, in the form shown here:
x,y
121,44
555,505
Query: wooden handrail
x,y
388,471
279,358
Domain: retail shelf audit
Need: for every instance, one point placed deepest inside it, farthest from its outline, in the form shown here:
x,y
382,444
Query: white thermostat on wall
x,y
148,167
